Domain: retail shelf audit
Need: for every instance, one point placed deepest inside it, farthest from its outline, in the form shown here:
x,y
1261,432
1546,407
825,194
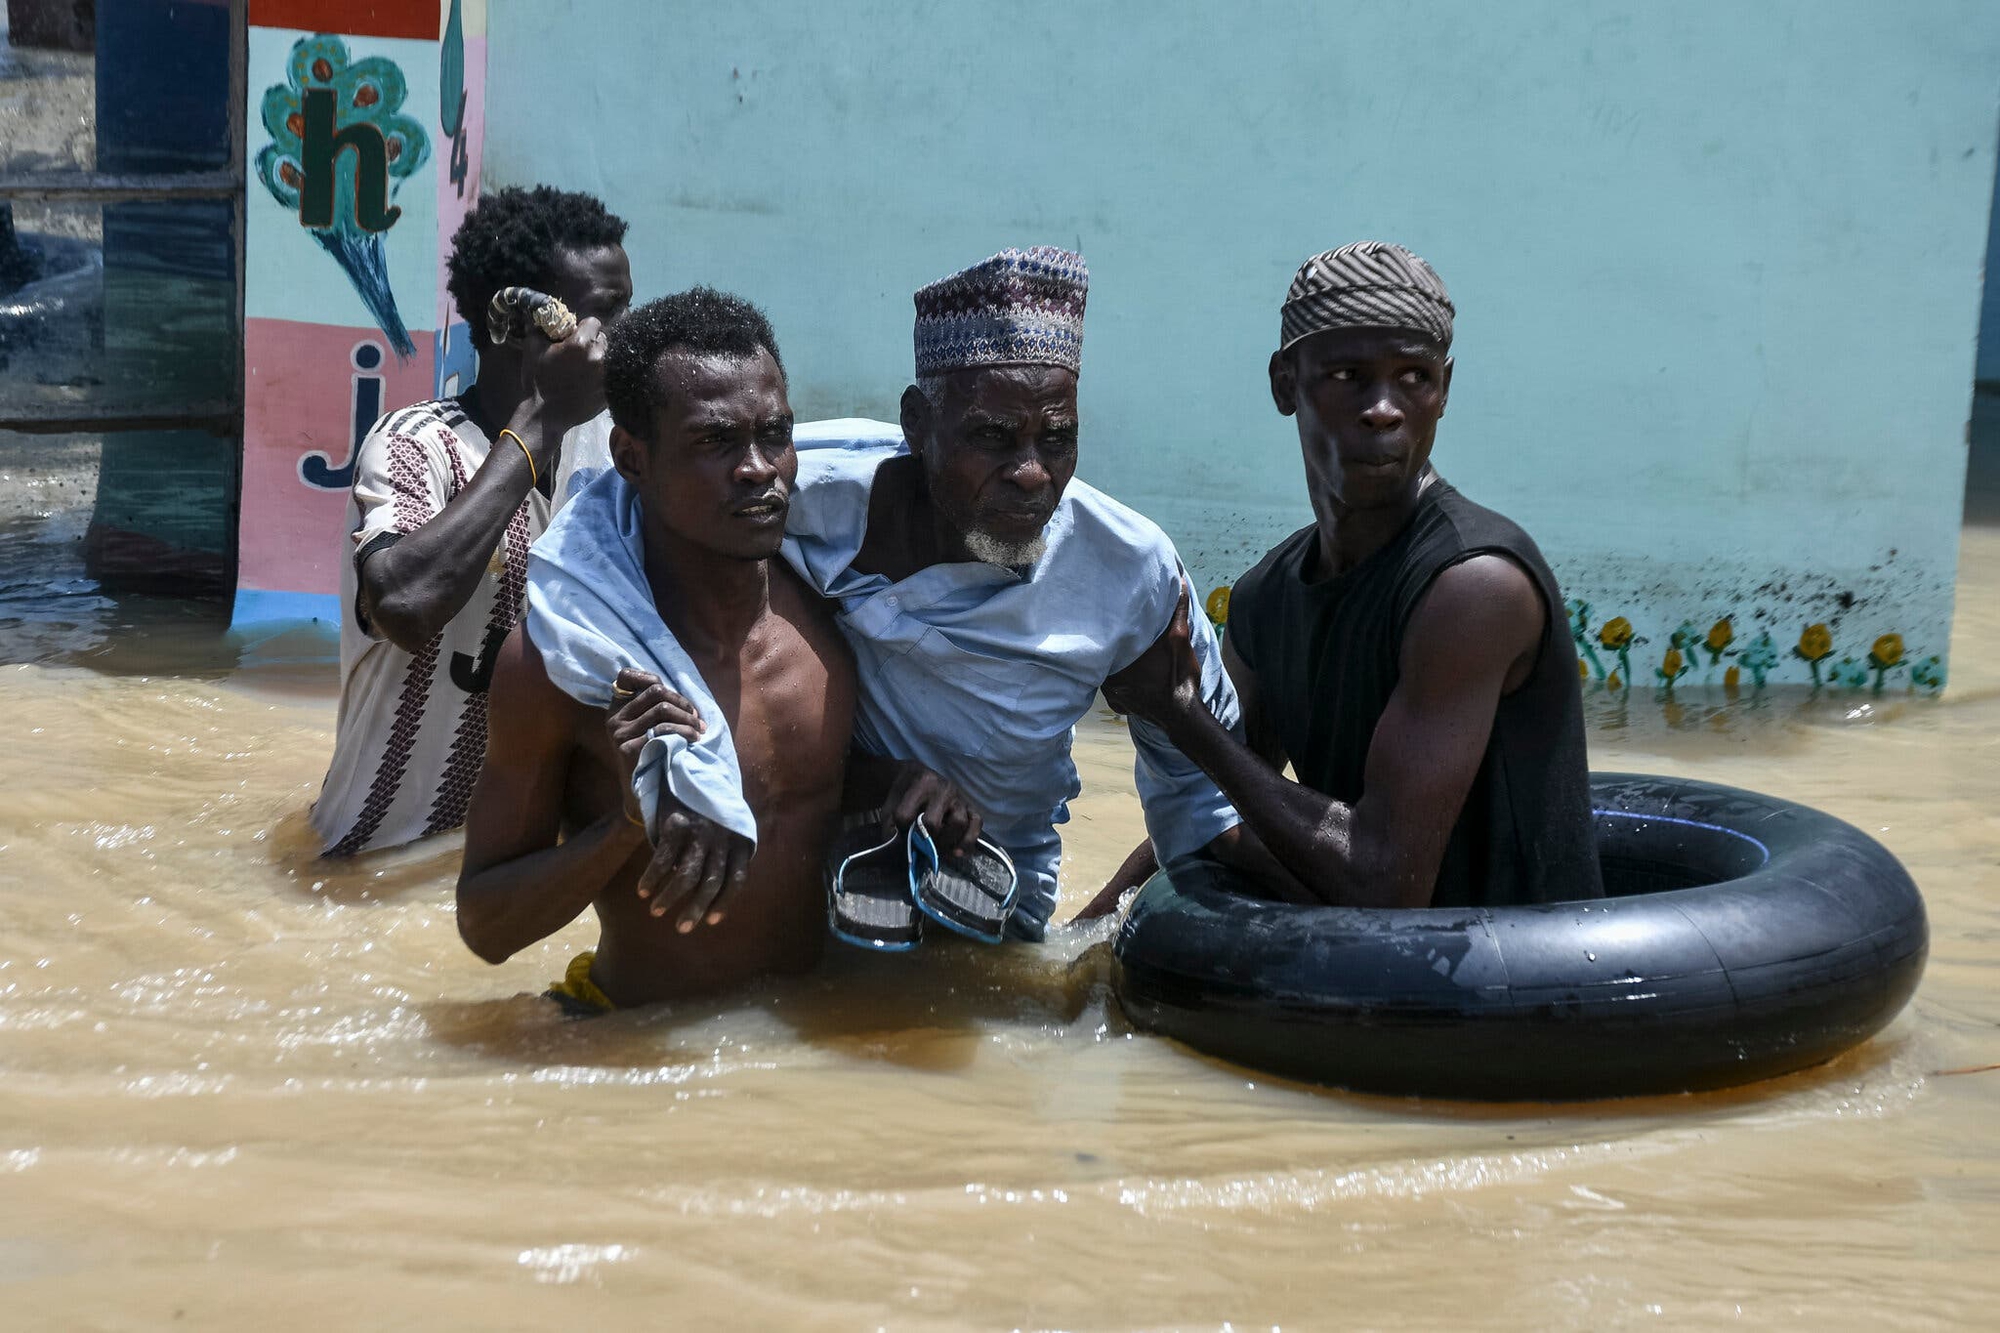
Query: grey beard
x,y
1008,555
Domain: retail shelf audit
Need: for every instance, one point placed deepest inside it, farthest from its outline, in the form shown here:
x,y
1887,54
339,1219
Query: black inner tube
x,y
1629,851
1743,937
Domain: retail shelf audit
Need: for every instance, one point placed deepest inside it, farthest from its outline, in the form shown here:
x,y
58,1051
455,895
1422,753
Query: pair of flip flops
x,y
881,887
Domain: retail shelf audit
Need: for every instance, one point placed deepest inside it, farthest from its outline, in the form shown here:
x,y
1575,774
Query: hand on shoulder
x,y
1165,681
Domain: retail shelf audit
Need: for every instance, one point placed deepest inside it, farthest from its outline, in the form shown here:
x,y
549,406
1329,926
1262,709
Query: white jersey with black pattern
x,y
412,726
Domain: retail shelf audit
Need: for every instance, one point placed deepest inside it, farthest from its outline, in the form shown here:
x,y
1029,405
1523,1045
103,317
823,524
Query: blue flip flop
x,y
868,888
972,894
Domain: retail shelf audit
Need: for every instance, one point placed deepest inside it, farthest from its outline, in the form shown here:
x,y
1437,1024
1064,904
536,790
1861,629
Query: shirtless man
x,y
702,444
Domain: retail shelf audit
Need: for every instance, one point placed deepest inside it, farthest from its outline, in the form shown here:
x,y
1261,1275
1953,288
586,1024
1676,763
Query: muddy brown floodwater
x,y
239,1088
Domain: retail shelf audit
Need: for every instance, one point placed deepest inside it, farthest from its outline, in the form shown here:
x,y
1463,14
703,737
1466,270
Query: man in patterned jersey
x,y
447,497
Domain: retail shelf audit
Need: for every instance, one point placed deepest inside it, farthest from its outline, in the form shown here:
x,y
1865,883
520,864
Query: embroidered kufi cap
x,y
1021,307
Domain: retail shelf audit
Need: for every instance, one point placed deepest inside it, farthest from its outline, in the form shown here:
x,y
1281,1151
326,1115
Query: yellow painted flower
x,y
1670,666
1217,606
1720,635
1615,633
1612,682
1732,678
1887,652
1582,671
1816,643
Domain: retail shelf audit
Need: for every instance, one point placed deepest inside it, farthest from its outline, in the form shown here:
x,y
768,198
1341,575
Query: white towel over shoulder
x,y
591,614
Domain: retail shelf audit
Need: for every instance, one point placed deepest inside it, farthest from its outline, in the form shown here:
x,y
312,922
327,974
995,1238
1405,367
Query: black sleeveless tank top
x,y
1327,655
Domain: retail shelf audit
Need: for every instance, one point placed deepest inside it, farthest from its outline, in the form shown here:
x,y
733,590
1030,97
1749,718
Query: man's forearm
x,y
1310,835
1242,848
412,589
504,908
1138,867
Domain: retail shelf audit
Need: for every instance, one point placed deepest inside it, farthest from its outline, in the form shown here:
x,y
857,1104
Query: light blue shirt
x,y
982,673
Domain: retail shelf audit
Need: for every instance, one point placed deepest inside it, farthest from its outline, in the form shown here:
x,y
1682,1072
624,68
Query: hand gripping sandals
x,y
972,893
868,887
880,887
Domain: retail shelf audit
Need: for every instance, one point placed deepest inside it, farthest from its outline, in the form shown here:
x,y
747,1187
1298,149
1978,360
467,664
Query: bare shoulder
x,y
523,704
795,603
518,666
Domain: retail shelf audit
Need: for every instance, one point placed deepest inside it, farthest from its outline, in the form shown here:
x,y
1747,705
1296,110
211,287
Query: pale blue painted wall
x,y
1717,265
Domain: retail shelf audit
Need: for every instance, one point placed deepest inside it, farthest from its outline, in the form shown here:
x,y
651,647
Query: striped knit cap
x,y
1021,307
1366,285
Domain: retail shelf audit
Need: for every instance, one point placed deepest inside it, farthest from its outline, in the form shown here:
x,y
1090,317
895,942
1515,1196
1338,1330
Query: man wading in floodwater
x,y
987,593
668,563
1406,652
447,497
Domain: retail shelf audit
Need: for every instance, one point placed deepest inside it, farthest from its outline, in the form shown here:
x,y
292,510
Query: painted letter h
x,y
320,150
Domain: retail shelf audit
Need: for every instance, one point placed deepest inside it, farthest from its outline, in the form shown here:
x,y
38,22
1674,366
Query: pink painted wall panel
x,y
310,388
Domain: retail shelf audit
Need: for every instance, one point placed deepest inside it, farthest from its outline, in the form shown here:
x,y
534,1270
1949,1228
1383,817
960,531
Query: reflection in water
x,y
239,1081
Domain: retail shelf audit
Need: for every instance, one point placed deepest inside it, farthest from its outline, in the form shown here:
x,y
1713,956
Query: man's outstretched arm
x,y
1480,624
1237,845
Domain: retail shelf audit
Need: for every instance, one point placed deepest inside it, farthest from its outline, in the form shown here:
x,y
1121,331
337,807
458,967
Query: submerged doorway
x,y
121,201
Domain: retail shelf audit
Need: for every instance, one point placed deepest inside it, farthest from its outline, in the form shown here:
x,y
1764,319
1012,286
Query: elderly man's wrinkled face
x,y
998,447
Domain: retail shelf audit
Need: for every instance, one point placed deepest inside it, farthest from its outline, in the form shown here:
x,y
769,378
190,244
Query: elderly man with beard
x,y
986,593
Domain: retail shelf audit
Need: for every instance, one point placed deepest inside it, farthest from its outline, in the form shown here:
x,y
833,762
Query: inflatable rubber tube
x,y
1742,937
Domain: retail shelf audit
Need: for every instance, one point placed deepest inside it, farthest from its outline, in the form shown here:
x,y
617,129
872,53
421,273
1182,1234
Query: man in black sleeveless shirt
x,y
1407,652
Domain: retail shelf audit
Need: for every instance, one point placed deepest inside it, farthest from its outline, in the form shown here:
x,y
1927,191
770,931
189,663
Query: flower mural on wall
x,y
1683,647
1672,667
1815,645
1217,606
1884,656
1579,630
1617,636
1716,643
340,149
1758,657
1717,647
